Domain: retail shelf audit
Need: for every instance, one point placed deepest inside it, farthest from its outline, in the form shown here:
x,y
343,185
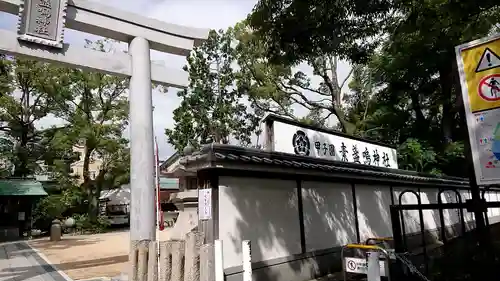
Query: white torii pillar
x,y
143,212
40,36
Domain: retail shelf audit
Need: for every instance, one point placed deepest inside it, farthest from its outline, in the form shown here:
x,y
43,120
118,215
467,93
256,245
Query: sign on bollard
x,y
372,266
360,266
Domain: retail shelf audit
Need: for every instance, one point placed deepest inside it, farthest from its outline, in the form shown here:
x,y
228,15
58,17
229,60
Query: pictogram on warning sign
x,y
489,88
351,265
488,60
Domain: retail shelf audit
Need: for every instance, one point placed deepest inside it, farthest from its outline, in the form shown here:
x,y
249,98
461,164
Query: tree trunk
x,y
21,169
421,121
93,207
88,183
345,126
94,195
448,114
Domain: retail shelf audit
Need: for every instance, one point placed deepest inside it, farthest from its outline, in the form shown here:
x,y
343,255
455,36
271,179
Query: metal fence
x,y
458,252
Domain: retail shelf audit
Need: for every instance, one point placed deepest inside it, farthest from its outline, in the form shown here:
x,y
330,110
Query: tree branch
x,y
346,78
305,101
310,89
283,111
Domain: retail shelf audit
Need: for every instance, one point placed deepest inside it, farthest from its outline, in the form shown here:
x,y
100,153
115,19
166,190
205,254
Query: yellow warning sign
x,y
481,66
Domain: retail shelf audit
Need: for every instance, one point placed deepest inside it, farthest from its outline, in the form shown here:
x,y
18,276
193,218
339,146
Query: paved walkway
x,y
19,262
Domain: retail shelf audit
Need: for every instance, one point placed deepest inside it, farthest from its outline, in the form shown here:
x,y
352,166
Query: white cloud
x,y
214,14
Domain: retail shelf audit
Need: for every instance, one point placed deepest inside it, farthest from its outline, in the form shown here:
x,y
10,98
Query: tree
x,y
58,154
416,156
95,106
211,107
406,47
6,156
276,87
296,30
359,102
417,94
315,118
27,93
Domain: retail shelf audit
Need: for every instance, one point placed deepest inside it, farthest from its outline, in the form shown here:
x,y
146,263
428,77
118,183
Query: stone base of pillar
x,y
143,259
172,260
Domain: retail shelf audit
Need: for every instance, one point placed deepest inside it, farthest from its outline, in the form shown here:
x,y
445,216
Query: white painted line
x,y
43,257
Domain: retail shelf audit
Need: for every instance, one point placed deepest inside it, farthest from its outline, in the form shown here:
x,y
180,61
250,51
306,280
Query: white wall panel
x,y
328,215
411,217
264,211
373,211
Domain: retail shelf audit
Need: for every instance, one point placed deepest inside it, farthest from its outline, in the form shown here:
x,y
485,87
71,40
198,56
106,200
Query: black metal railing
x,y
451,252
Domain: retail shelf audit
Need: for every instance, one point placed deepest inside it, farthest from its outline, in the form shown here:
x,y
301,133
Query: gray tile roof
x,y
213,155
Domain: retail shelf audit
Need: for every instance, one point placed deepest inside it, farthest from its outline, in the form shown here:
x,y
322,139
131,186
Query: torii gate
x,y
40,36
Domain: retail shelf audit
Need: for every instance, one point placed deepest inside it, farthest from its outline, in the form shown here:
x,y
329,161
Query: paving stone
x,y
19,262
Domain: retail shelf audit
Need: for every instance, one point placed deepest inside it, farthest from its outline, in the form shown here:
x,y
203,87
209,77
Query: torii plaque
x,y
42,21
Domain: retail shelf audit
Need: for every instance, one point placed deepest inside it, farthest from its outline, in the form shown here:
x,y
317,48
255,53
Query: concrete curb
x,y
96,279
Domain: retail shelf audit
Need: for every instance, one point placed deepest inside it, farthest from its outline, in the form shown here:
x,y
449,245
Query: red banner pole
x,y
161,223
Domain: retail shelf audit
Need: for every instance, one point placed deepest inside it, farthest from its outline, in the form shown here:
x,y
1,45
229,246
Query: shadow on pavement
x,y
38,266
71,265
66,242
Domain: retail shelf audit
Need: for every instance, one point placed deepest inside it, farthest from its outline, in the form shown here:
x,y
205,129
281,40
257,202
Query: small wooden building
x,y
17,199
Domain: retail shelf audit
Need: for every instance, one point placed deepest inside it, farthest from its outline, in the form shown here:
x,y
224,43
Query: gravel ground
x,y
89,256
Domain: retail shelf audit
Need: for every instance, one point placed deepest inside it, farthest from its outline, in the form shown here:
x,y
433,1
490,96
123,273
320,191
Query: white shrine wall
x,y
269,213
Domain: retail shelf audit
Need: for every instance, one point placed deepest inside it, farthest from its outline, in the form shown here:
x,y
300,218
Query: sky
x,y
211,14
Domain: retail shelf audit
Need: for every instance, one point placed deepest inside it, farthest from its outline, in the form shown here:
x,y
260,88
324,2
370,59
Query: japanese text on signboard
x,y
368,157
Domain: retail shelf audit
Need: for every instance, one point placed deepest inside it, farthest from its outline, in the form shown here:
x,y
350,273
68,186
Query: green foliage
x,y
56,206
404,88
59,156
95,106
211,108
314,118
416,93
51,207
415,156
28,90
6,156
277,87
84,224
298,30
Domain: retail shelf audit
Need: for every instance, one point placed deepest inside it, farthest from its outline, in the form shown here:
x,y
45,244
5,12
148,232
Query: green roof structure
x,y
21,187
169,183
